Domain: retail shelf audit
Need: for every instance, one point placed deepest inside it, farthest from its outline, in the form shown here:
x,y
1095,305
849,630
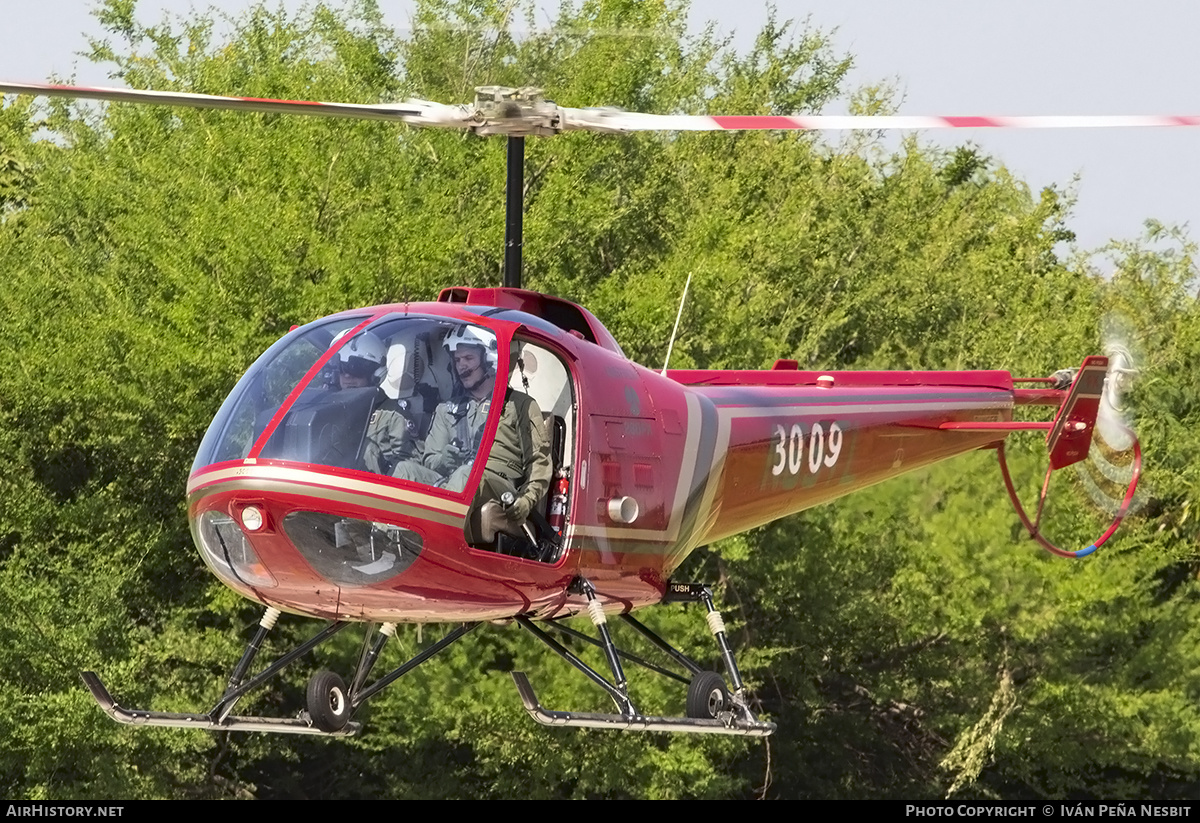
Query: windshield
x,y
406,396
263,388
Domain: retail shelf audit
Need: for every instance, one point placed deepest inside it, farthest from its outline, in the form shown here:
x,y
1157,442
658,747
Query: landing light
x,y
252,518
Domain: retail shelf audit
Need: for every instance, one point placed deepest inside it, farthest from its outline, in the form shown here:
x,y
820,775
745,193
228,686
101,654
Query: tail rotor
x,y
1096,408
1109,469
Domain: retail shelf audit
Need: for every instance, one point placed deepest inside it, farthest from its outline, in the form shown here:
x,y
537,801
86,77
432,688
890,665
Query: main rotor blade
x,y
617,121
537,117
414,112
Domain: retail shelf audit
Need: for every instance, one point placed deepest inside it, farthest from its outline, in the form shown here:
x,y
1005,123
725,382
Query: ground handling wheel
x,y
707,696
328,703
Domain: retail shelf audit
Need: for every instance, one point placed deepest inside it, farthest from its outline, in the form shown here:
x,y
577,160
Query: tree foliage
x,y
907,641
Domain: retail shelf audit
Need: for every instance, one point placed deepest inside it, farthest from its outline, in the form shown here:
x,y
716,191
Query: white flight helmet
x,y
363,356
465,335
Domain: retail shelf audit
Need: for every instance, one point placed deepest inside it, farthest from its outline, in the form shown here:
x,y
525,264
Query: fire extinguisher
x,y
558,500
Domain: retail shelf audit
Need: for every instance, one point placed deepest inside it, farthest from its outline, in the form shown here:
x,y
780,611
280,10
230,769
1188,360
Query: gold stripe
x,y
687,467
325,482
728,413
349,498
613,533
707,516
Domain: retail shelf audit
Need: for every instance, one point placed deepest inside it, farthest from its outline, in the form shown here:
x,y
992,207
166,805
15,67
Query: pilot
x,y
361,364
520,458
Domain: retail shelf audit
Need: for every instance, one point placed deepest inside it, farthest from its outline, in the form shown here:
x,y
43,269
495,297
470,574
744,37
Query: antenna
x,y
678,315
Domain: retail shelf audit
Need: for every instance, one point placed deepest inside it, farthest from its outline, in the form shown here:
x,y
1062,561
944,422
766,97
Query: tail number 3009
x,y
823,448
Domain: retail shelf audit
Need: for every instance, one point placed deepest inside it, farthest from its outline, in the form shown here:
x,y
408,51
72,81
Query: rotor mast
x,y
514,212
515,113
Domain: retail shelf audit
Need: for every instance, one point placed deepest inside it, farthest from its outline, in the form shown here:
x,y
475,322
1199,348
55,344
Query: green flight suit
x,y
389,441
451,446
520,457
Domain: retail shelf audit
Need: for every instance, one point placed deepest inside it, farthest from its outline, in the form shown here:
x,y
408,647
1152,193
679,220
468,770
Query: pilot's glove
x,y
448,459
518,510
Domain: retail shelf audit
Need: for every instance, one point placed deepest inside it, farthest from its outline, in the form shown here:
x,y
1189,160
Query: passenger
x,y
390,440
520,458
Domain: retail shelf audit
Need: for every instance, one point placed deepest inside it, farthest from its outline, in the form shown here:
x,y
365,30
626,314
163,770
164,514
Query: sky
x,y
945,57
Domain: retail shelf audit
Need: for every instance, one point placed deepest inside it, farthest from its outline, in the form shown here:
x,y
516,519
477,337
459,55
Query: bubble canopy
x,y
362,393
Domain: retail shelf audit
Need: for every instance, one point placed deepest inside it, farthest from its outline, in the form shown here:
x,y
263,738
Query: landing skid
x,y
711,707
691,725
137,717
330,703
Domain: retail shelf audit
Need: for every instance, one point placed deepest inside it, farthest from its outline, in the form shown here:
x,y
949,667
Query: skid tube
x,y
138,717
219,718
636,722
735,719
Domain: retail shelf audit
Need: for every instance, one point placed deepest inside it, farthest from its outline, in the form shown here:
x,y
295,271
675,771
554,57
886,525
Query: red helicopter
x,y
289,507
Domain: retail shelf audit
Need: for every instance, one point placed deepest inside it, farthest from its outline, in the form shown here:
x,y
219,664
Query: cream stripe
x,y
325,481
615,533
687,466
253,484
813,411
726,416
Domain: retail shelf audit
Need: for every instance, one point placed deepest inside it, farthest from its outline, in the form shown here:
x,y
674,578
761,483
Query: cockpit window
x,y
407,396
456,426
263,388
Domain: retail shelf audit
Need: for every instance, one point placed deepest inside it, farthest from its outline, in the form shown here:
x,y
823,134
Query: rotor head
x,y
514,112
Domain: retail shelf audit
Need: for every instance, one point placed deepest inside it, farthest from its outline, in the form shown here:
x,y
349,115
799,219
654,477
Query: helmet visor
x,y
359,367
